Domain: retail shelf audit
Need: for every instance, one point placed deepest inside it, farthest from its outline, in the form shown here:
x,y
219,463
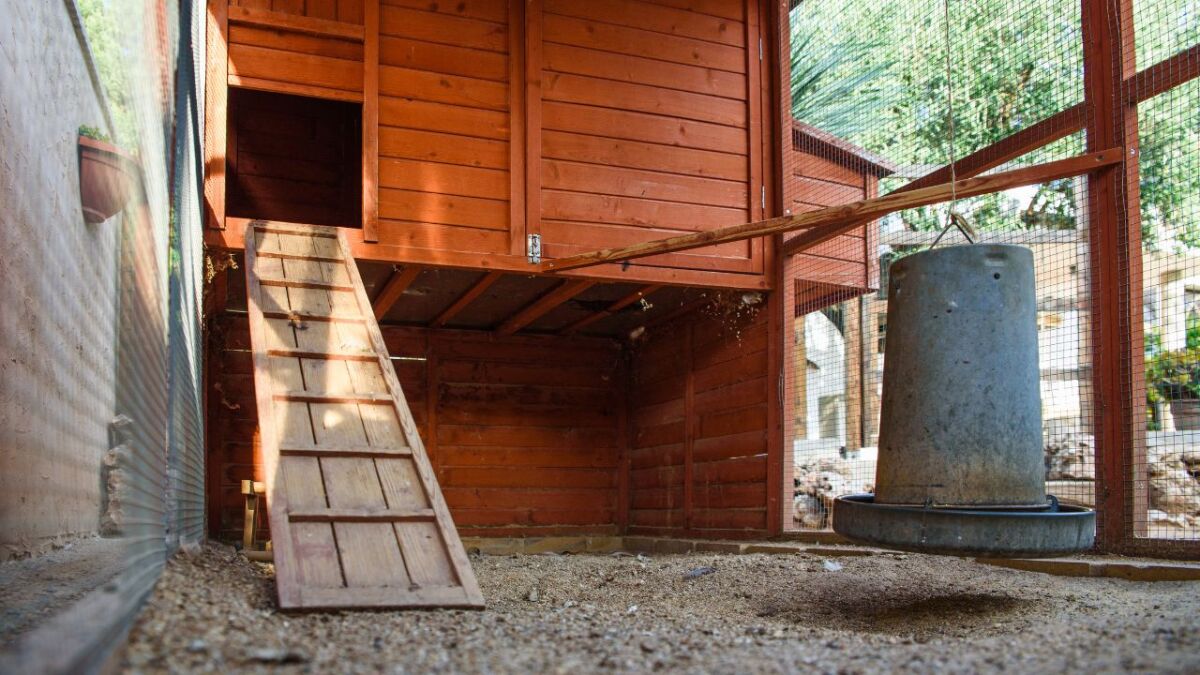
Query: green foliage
x,y
1173,374
105,40
93,133
875,73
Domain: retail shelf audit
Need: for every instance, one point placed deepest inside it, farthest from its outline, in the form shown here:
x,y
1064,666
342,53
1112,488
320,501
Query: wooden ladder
x,y
357,518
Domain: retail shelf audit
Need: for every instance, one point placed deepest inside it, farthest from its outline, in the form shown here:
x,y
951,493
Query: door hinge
x,y
533,248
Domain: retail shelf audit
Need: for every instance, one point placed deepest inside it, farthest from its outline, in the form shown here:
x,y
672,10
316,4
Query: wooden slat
x,y
538,308
395,287
830,222
295,24
360,516
216,95
327,451
321,397
354,506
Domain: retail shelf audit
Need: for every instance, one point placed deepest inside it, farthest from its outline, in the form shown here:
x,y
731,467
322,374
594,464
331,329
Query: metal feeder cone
x,y
961,466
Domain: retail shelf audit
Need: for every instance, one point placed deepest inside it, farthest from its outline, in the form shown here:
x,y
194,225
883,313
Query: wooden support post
x,y
395,287
465,299
1116,266
538,308
829,222
216,95
617,306
370,122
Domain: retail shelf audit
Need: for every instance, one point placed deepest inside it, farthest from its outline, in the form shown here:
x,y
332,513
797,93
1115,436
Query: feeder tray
x,y
1055,530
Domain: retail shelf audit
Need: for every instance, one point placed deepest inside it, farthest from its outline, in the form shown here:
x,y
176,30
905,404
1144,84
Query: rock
x,y
1071,457
1174,490
277,656
533,595
698,572
197,646
831,566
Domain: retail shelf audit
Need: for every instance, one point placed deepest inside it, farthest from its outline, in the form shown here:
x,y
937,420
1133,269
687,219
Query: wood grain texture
x,y
368,513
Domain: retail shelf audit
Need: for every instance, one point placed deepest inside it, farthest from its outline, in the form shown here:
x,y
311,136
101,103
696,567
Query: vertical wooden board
x,y
303,270
425,554
293,423
316,551
216,95
371,555
382,427
317,555
280,334
343,303
401,484
268,268
338,425
308,301
286,374
294,244
370,551
326,247
327,376
274,299
370,122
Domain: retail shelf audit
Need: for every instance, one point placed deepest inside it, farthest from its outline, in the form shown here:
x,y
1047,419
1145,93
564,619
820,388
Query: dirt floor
x,y
214,611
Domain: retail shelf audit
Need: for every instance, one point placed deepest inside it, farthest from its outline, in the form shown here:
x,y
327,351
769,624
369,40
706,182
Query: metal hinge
x,y
764,197
760,49
533,248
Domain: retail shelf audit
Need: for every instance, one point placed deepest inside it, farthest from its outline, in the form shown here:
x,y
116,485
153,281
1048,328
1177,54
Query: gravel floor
x,y
214,611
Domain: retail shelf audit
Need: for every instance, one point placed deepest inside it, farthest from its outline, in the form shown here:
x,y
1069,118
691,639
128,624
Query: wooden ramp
x,y
357,518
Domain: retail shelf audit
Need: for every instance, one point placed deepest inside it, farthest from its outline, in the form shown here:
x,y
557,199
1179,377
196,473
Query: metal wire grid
x,y
1164,470
873,78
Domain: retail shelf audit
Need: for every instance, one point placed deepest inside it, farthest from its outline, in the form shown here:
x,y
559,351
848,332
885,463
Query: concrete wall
x,y
57,288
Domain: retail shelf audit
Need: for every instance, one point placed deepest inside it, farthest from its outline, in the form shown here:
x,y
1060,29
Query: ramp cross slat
x,y
357,517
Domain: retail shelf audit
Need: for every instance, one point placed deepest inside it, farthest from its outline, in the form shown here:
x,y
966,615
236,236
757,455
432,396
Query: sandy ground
x,y
214,611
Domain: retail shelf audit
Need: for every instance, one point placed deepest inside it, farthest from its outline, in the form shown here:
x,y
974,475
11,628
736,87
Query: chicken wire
x,y
883,97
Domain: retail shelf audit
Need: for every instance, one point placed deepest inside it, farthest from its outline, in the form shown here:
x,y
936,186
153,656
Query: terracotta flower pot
x,y
105,183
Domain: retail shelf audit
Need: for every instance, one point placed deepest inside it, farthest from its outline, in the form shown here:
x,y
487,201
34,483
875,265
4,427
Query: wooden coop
x,y
455,145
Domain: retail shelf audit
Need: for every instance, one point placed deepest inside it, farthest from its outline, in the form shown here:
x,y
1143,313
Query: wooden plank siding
x,y
645,129
526,440
699,410
444,131
485,121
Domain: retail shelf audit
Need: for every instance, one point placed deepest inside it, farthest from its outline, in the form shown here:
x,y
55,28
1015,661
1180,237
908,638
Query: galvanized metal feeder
x,y
961,468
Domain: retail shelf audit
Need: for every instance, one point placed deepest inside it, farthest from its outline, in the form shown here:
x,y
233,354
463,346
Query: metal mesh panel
x,y
886,97
1165,471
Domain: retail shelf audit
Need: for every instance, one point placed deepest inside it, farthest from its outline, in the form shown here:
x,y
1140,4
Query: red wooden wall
x,y
593,124
648,127
526,434
699,400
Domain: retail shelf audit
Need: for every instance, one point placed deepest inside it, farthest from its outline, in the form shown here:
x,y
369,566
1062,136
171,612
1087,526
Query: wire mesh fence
x,y
890,97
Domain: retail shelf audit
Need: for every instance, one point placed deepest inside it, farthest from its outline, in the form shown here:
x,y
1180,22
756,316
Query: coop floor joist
x,y
357,518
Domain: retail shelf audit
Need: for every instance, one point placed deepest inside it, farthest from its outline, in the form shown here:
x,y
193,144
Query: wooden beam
x,y
1162,76
829,222
370,122
216,95
465,299
610,310
294,23
1115,267
538,308
395,287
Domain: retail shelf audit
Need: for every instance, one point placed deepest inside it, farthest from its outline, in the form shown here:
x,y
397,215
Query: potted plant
x,y
105,183
1173,376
